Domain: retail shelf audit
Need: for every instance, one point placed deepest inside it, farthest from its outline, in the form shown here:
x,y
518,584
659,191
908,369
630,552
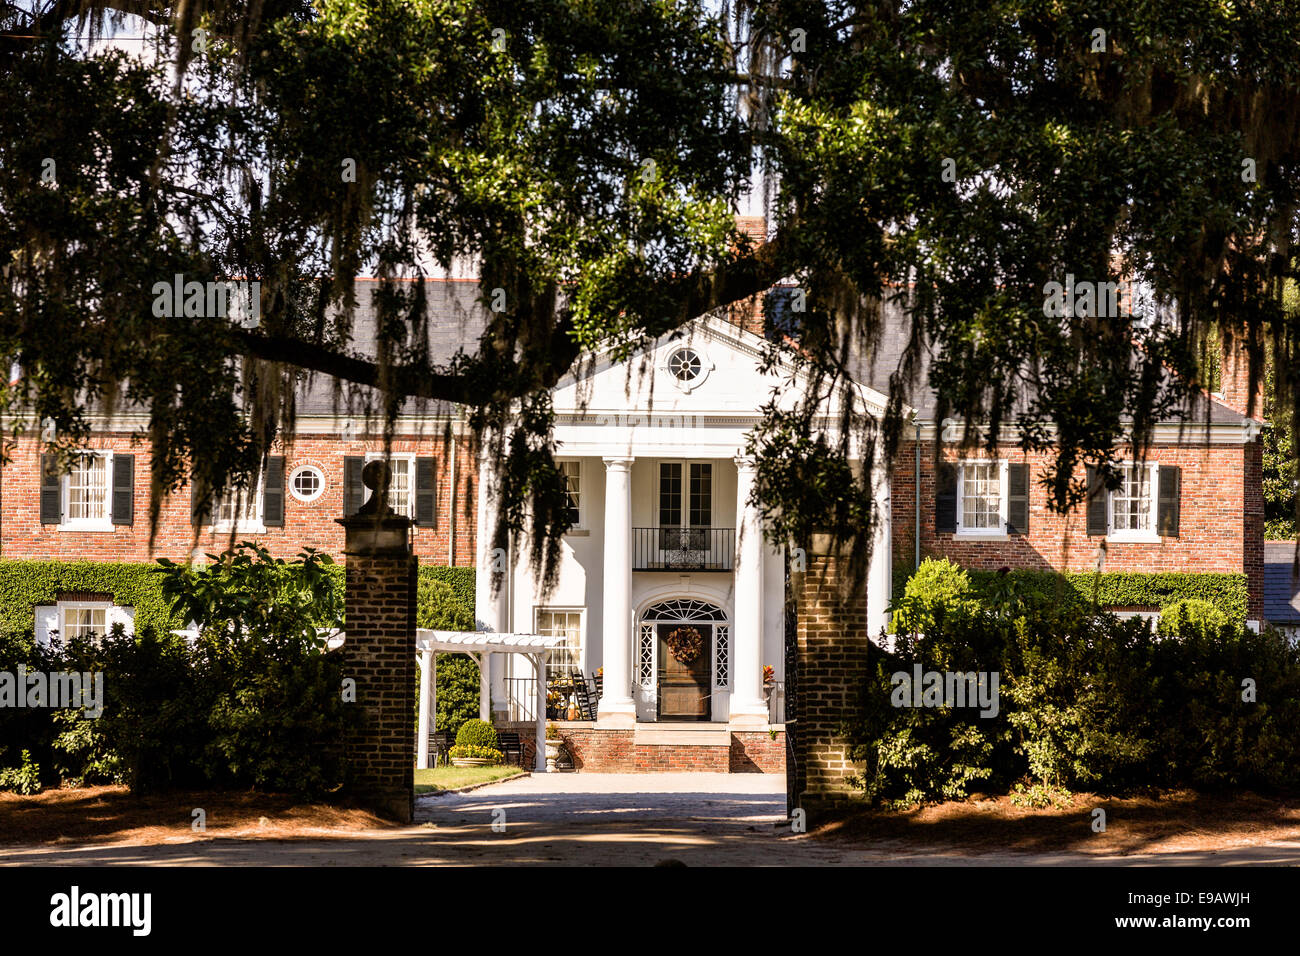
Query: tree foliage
x,y
584,159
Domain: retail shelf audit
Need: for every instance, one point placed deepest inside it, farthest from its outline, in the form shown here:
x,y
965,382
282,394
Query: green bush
x,y
458,690
24,779
1191,615
254,702
477,733
938,587
25,584
1086,702
1106,589
459,579
438,607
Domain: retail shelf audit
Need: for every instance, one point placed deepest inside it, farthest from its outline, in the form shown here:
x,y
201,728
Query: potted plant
x,y
476,745
553,744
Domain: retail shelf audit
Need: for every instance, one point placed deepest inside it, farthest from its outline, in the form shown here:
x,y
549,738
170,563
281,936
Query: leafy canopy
x,y
584,159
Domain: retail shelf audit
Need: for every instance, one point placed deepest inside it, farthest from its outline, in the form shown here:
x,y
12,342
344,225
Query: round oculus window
x,y
307,483
685,365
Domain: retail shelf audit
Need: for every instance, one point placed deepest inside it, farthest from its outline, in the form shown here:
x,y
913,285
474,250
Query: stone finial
x,y
377,476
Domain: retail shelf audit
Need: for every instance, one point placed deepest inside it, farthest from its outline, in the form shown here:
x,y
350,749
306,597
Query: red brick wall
x,y
757,751
306,524
613,751
1220,527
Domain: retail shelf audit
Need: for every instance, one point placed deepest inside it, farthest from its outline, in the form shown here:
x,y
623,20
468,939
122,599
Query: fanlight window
x,y
684,611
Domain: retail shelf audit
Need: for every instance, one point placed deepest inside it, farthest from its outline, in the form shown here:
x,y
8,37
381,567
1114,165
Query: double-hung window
x,y
240,509
400,488
78,620
571,469
566,623
1133,503
982,498
87,501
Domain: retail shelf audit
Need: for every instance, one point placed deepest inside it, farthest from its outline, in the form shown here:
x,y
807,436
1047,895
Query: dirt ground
x,y
97,815
615,819
1178,821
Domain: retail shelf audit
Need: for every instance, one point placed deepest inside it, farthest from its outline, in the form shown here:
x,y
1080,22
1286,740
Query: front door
x,y
685,666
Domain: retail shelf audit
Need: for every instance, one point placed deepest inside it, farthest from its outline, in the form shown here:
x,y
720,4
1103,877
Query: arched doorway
x,y
683,658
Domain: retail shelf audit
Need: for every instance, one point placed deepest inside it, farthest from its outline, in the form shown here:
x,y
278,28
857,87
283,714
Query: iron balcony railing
x,y
683,549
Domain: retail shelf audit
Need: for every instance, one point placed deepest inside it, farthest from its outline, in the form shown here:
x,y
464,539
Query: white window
x,y
80,618
572,472
1133,504
565,659
307,483
83,620
401,497
87,499
240,510
982,498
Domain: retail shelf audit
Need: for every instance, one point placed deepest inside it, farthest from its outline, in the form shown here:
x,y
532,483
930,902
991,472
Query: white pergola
x,y
478,645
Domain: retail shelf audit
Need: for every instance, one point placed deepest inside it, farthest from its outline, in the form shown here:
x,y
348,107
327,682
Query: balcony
x,y
683,549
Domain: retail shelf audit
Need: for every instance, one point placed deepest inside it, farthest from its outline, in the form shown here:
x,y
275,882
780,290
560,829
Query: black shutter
x,y
945,499
1171,487
273,494
124,489
51,492
426,492
1097,518
1018,498
354,492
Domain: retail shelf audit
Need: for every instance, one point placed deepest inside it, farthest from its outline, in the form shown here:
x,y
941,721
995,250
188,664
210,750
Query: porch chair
x,y
439,743
511,747
586,696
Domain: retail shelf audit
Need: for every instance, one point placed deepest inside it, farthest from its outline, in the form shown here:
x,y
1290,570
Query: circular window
x,y
307,483
685,365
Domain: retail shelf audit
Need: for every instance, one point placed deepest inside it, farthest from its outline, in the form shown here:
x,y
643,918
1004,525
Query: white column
x,y
490,608
748,708
539,667
616,705
484,685
425,660
880,569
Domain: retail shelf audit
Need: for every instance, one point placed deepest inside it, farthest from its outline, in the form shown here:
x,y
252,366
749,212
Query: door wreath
x,y
686,643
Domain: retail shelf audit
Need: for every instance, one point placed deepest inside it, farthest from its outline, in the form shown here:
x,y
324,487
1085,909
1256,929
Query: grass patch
x,y
437,779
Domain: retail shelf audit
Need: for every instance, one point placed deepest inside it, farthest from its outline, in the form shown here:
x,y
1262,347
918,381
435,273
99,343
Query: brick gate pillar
x,y
831,649
379,653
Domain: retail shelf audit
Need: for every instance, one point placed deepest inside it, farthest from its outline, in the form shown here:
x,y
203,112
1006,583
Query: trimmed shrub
x,y
458,689
477,733
938,588
25,584
1191,616
1225,591
438,607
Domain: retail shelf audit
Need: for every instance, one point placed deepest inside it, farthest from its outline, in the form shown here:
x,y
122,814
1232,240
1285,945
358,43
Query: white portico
x,y
666,586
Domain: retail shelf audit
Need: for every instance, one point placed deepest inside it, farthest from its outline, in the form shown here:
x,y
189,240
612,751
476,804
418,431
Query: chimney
x,y
748,313
1234,376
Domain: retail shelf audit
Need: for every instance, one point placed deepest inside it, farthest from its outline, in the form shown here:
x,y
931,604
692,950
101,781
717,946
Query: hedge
x,y
1225,591
25,584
